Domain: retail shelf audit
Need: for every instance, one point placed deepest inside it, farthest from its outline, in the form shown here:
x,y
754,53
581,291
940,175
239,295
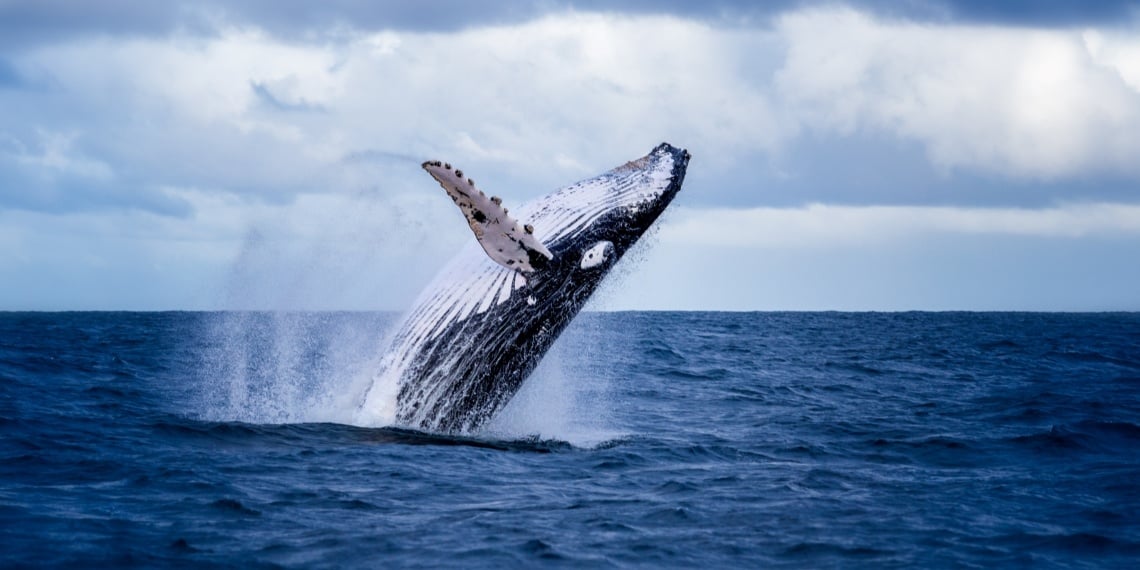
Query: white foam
x,y
560,401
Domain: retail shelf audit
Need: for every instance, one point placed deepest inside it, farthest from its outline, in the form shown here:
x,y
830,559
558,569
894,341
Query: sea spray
x,y
269,361
812,440
271,367
567,398
278,367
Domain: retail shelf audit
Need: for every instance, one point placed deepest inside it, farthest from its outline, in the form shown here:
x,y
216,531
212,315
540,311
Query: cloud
x,y
318,252
1117,52
995,272
263,93
274,147
1017,13
280,149
1048,13
1033,104
26,23
826,257
50,173
830,226
531,107
172,113
10,77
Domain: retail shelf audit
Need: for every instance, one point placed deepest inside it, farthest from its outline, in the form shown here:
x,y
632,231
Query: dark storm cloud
x,y
24,22
45,21
144,150
292,17
1047,13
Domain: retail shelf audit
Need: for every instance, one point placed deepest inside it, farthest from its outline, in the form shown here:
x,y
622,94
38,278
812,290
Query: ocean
x,y
645,439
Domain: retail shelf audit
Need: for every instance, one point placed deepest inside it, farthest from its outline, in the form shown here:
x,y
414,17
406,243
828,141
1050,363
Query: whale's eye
x,y
597,254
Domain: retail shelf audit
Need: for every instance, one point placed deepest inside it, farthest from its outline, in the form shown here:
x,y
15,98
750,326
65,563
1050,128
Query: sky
x,y
868,155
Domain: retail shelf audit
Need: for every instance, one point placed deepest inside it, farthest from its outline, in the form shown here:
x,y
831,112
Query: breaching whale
x,y
480,328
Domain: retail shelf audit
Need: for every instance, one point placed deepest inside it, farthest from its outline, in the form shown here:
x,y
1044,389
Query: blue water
x,y
645,439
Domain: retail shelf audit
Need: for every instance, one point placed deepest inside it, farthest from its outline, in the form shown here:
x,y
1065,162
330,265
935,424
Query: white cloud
x,y
1116,51
566,94
842,227
318,251
1038,104
546,100
56,155
300,160
536,105
1068,257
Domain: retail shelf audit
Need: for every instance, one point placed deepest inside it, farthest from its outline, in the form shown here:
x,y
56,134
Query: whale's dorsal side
x,y
507,242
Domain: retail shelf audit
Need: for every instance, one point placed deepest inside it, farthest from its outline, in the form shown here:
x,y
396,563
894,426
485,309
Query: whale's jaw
x,y
478,331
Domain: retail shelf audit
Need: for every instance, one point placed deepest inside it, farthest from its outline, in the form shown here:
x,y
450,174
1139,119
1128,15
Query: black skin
x,y
514,336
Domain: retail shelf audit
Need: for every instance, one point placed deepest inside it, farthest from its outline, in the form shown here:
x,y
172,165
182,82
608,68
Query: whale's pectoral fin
x,y
508,243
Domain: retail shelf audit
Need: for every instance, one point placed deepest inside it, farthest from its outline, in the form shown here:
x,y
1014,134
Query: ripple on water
x,y
743,440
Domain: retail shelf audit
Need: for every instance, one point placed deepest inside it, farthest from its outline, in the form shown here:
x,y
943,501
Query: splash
x,y
566,398
276,359
289,367
280,364
270,367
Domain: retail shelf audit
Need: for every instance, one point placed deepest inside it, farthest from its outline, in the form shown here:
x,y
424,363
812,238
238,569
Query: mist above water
x,y
275,367
271,359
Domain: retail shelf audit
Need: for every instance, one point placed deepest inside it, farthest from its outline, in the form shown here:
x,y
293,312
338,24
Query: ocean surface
x,y
644,440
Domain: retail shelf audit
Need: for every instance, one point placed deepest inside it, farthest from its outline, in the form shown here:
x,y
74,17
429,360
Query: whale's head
x,y
590,225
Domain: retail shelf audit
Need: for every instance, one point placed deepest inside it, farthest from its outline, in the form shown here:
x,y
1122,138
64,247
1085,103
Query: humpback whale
x,y
483,324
